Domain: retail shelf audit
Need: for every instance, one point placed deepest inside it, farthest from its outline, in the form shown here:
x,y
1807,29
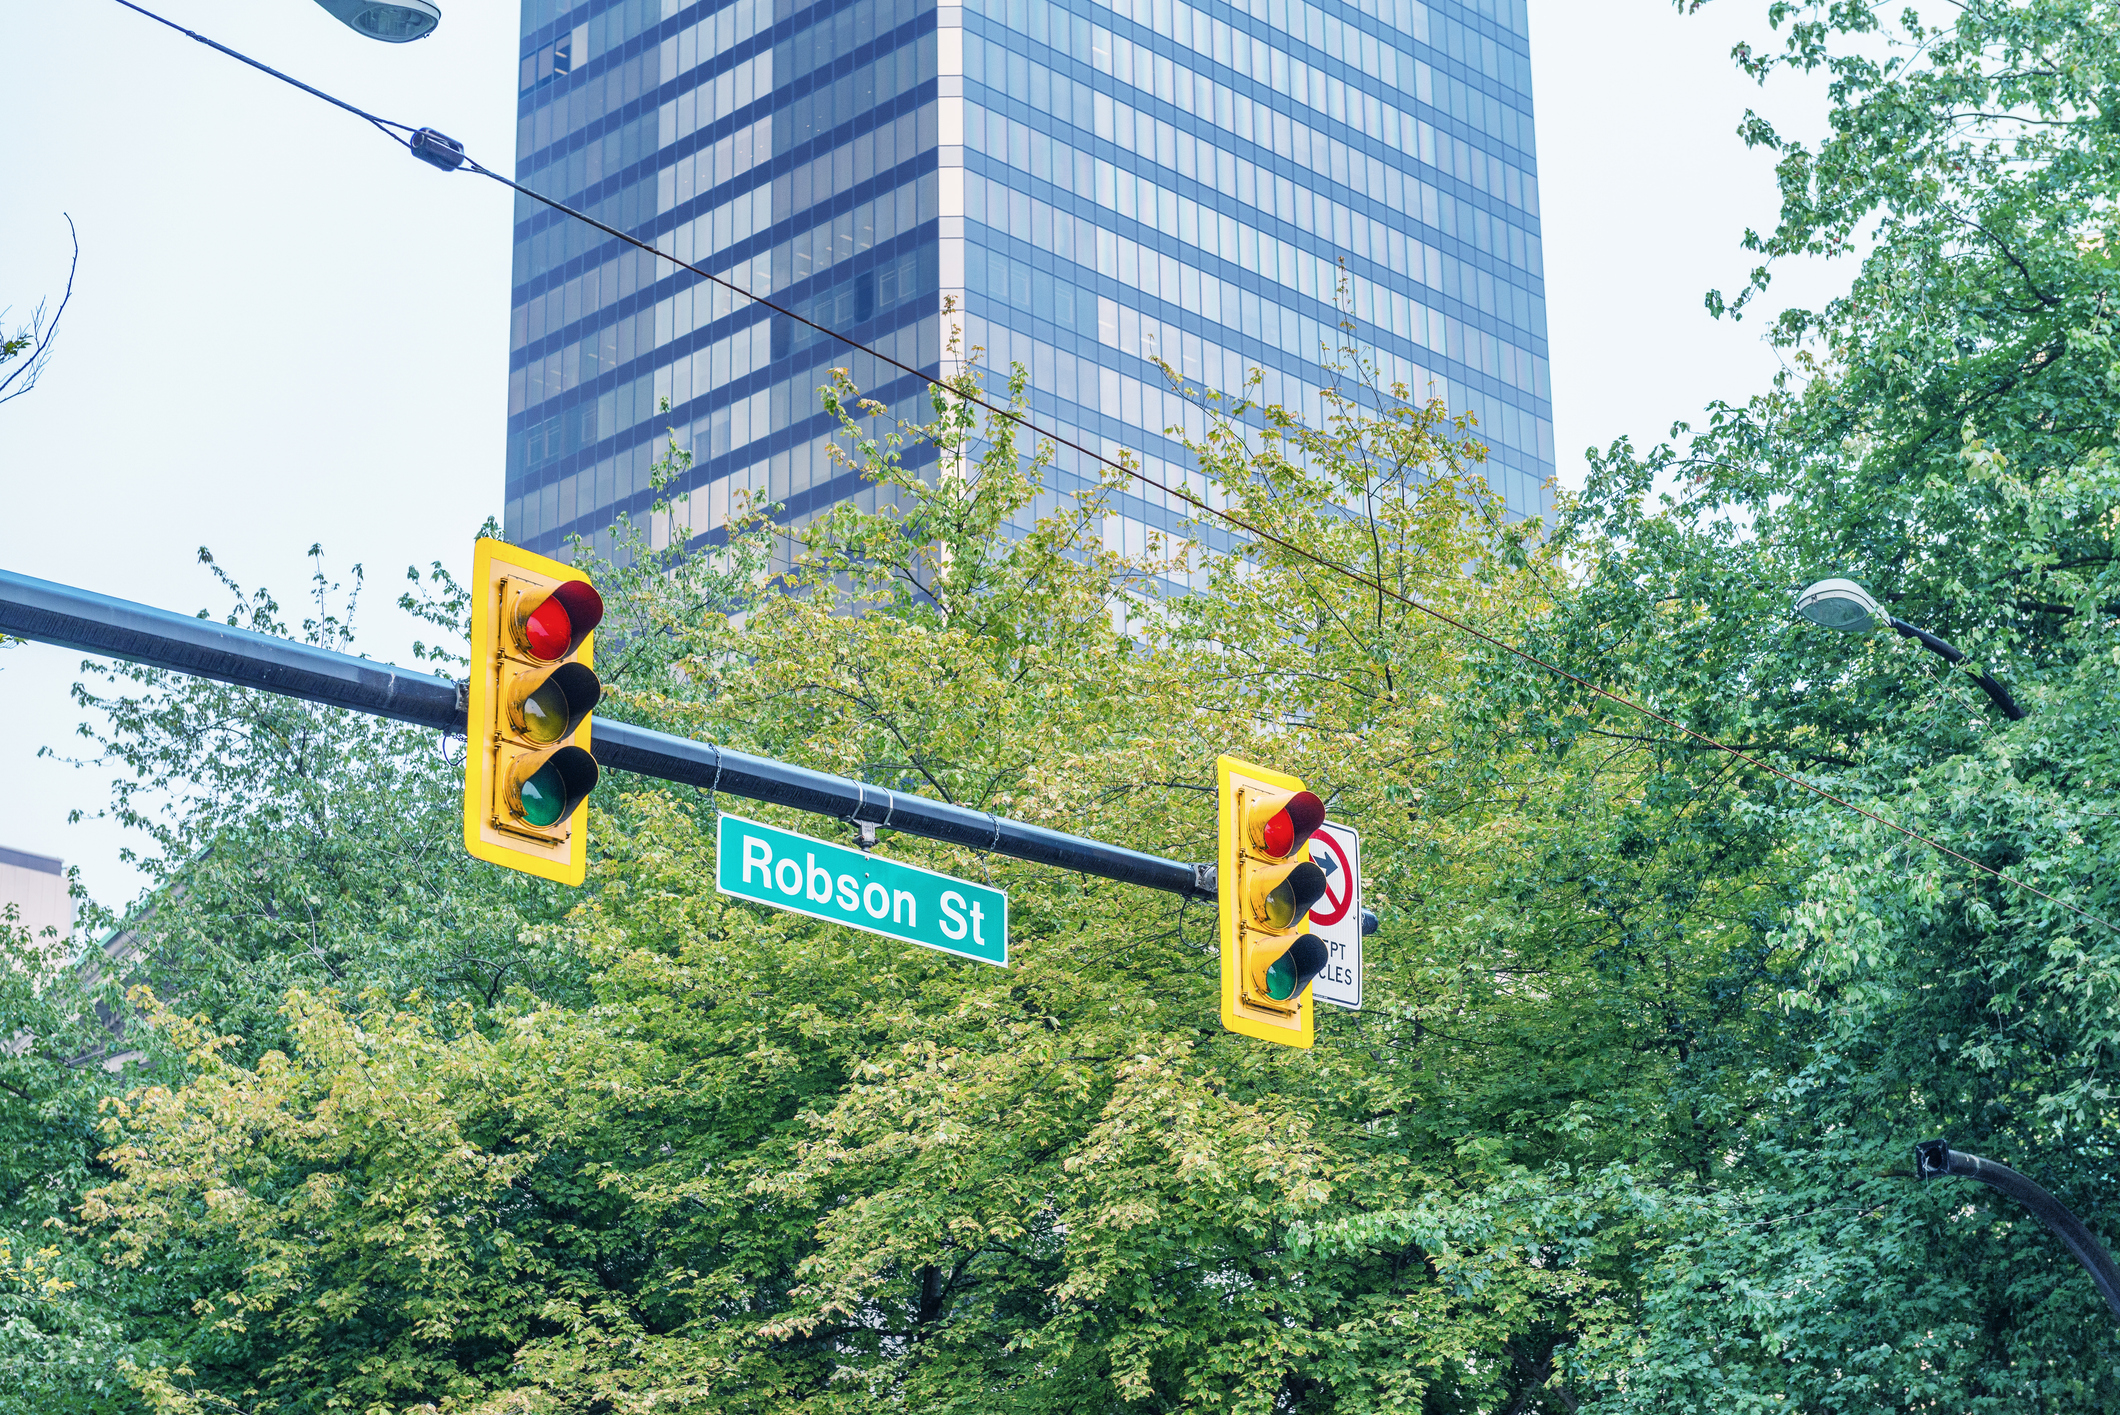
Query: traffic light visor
x,y
553,626
1292,971
1280,824
548,709
1281,897
548,788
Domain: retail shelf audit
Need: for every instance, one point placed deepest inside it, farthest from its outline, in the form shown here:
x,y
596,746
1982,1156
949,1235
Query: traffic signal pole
x,y
79,619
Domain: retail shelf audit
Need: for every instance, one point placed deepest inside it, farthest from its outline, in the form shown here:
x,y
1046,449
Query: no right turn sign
x,y
1337,918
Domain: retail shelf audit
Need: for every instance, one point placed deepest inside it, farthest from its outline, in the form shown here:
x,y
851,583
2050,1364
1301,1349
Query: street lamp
x,y
1845,605
1934,1157
392,21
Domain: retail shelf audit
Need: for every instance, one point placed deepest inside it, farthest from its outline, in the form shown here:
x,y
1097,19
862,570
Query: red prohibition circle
x,y
1346,872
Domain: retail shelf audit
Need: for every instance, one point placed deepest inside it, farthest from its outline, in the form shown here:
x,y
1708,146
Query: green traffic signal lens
x,y
1293,970
544,796
545,713
1281,979
548,795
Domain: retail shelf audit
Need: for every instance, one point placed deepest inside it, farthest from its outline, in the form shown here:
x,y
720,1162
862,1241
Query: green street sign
x,y
767,865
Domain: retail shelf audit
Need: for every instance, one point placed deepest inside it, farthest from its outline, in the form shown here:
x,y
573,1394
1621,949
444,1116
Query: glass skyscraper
x,y
1094,182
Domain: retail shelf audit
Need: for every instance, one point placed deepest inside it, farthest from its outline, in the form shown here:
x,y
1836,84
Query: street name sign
x,y
1337,918
841,885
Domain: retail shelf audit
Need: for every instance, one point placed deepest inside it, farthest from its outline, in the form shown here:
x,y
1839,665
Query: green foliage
x,y
291,848
57,1329
759,1163
1648,1033
1944,437
292,845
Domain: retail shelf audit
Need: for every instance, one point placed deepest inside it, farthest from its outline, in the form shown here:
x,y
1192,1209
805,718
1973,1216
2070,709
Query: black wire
x,y
1304,552
1323,562
382,124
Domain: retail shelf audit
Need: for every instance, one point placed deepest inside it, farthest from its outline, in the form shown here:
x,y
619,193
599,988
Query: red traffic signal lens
x,y
1292,971
556,627
549,631
1293,824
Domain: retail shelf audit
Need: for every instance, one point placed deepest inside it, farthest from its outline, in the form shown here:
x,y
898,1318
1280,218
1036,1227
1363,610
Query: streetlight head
x,y
1842,604
392,21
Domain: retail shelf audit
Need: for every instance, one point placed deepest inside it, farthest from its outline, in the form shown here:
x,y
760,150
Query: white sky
x,y
286,330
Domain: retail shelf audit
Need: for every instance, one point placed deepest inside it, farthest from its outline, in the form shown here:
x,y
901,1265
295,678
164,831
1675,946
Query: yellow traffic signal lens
x,y
545,713
1290,898
544,796
551,707
1281,906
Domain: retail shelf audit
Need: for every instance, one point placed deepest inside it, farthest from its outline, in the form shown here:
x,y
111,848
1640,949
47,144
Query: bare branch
x,y
36,341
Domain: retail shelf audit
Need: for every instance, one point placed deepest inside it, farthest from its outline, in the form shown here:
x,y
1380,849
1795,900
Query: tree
x,y
1944,436
764,1163
290,845
1651,1026
58,1326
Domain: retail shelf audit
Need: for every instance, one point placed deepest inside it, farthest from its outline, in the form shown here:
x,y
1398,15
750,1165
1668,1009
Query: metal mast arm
x,y
81,619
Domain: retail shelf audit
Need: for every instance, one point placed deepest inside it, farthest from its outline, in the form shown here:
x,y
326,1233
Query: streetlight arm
x,y
1929,641
1933,1157
1952,655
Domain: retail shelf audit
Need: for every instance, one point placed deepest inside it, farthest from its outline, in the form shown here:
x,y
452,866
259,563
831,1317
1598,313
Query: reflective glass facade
x,y
1095,182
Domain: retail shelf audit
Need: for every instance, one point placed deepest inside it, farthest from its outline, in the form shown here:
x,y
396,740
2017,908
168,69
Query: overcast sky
x,y
286,331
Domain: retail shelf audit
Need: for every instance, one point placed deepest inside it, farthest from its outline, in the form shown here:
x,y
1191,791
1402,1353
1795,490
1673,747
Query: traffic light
x,y
527,767
1267,883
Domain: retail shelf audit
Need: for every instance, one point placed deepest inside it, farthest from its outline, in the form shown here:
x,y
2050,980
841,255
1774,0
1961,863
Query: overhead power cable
x,y
384,125
449,155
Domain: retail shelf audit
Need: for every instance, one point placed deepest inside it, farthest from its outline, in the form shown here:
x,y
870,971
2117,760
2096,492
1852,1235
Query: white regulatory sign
x,y
1337,918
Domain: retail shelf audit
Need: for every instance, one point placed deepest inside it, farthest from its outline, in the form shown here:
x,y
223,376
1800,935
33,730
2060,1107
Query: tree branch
x,y
37,341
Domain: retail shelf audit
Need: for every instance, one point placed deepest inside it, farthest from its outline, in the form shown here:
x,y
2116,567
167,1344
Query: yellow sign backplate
x,y
498,571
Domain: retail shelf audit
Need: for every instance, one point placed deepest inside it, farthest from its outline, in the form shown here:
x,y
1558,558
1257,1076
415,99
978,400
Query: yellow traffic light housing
x,y
1266,884
527,765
